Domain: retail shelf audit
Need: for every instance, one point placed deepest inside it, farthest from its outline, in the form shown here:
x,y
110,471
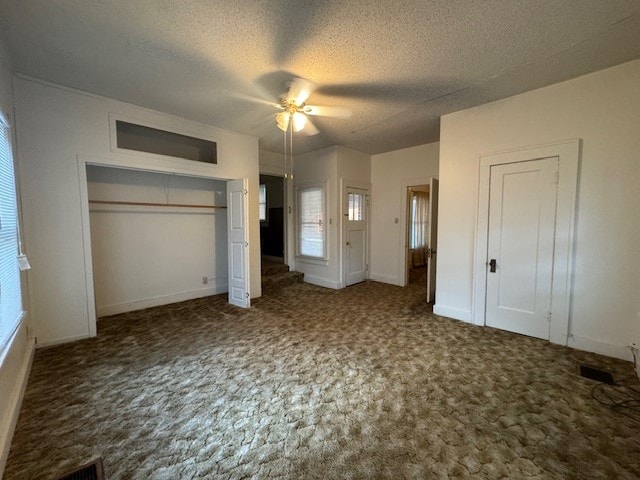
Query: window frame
x,y
265,220
13,229
323,260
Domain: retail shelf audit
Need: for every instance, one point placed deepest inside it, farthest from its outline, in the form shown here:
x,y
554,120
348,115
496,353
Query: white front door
x,y
432,238
522,211
237,215
356,234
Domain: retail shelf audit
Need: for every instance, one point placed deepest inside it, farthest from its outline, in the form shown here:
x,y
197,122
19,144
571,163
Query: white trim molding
x,y
343,185
390,279
19,362
322,282
453,312
404,214
596,346
568,154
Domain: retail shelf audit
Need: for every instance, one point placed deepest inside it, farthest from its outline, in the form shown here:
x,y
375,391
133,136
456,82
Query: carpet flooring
x,y
364,382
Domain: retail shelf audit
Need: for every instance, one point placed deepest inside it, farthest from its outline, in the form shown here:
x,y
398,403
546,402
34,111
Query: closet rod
x,y
147,204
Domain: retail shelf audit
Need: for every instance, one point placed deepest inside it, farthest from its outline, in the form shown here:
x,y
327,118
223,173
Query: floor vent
x,y
90,471
596,374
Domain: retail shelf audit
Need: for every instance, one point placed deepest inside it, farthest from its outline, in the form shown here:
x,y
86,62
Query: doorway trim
x,y
568,153
287,211
82,161
403,276
344,184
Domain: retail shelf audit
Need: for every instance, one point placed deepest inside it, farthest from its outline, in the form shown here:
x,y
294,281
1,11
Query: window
x,y
10,295
311,222
262,203
355,205
151,140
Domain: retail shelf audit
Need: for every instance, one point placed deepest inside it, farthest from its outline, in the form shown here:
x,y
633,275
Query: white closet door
x,y
237,216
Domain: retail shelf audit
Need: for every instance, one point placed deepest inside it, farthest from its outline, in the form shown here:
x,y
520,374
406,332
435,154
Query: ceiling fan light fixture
x,y
282,120
299,121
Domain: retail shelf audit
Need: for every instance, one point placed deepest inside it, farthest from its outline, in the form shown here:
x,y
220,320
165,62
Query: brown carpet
x,y
313,383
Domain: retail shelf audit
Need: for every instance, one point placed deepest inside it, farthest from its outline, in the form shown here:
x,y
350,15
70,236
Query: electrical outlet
x,y
205,280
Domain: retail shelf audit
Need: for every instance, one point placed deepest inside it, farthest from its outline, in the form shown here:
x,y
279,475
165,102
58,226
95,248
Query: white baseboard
x,y
452,312
12,400
60,341
610,350
164,300
322,282
378,277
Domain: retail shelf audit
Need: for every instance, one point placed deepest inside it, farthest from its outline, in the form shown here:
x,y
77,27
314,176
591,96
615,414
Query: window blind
x,y
10,296
311,224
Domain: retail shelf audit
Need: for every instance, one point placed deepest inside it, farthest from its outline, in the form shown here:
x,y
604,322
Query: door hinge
x,y
246,244
245,191
548,315
247,294
557,177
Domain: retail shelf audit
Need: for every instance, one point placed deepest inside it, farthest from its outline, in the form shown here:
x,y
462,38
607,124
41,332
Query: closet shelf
x,y
149,204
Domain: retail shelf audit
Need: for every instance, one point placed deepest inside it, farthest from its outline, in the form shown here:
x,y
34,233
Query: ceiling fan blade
x,y
300,90
262,101
310,129
335,112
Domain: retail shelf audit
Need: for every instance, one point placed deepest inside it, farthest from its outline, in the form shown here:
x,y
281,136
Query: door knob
x,y
348,243
492,265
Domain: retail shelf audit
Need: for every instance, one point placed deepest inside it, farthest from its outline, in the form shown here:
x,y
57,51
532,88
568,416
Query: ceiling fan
x,y
295,109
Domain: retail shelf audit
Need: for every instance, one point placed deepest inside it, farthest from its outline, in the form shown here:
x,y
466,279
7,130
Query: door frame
x,y
404,225
568,153
344,184
287,211
82,161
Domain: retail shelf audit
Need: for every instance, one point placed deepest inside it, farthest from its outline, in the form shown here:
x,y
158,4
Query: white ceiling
x,y
399,65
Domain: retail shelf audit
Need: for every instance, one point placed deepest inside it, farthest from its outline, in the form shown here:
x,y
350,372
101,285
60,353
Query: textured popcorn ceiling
x,y
399,65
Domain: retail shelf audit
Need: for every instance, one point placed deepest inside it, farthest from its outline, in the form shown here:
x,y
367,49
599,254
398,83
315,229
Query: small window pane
x,y
355,202
262,203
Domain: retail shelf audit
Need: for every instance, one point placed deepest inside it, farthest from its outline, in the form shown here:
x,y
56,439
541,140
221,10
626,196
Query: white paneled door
x,y
522,211
237,216
356,235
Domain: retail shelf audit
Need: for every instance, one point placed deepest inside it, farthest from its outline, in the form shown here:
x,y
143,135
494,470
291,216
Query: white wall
x,y
321,167
16,355
146,256
271,163
603,110
390,172
56,126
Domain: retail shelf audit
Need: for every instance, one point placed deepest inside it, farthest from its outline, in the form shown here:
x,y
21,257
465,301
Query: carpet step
x,y
271,282
271,268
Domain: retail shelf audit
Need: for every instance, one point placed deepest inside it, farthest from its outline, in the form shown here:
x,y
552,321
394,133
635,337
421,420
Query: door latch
x,y
492,265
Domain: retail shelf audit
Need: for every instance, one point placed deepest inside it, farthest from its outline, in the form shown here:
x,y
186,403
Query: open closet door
x,y
237,216
432,237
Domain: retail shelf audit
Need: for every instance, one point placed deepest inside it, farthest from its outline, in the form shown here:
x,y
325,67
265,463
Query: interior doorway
x,y
417,229
139,261
420,242
271,213
565,155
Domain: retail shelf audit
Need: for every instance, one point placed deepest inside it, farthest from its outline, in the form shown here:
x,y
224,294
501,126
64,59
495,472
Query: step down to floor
x,y
279,280
272,268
